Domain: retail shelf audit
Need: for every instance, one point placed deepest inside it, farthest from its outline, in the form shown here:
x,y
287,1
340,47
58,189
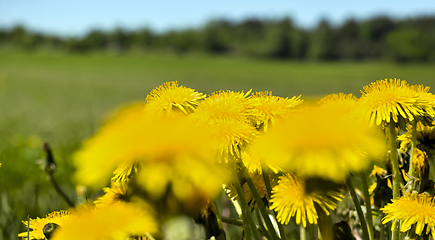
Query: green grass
x,y
63,98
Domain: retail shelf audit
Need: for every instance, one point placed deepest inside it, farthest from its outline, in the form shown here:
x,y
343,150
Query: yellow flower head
x,y
170,97
37,225
289,199
418,209
321,142
384,101
117,221
429,108
347,102
225,105
116,192
232,138
271,107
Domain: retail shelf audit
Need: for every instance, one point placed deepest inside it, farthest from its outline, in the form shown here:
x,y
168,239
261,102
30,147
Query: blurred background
x,y
64,65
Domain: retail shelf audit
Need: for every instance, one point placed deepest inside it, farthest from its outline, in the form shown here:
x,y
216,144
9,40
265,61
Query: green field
x,y
63,99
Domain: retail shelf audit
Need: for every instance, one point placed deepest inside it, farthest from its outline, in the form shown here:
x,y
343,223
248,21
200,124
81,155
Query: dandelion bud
x,y
49,229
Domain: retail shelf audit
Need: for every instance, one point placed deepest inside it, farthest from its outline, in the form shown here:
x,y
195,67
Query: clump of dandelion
x,y
321,142
36,226
412,209
290,199
172,153
270,108
171,98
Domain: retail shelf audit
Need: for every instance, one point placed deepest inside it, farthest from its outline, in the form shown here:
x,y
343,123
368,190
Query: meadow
x,y
63,99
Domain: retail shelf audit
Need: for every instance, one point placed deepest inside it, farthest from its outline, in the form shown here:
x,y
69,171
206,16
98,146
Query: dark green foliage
x,y
323,42
375,38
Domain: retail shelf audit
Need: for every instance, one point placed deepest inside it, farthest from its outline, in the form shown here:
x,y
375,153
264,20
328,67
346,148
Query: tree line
x,y
380,37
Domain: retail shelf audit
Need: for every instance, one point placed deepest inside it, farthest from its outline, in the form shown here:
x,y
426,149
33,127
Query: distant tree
x,y
281,39
95,39
323,42
216,36
74,45
408,44
143,38
374,33
118,40
349,44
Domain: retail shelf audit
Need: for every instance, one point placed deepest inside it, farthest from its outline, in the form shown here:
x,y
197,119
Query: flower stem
x,y
218,215
232,221
413,146
260,203
260,224
246,212
395,168
368,204
358,208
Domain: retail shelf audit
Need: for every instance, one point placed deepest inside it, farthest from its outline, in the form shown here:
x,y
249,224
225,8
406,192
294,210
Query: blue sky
x,y
79,16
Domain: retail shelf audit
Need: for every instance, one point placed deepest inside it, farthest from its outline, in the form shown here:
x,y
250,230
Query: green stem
x,y
246,211
358,208
218,215
413,146
302,233
261,225
232,221
260,203
395,168
368,204
246,227
266,179
431,158
236,222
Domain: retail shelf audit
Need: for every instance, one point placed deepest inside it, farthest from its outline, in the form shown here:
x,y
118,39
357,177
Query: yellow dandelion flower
x,y
384,101
347,102
116,192
232,138
171,98
117,221
429,108
271,107
225,105
37,225
418,209
320,142
289,199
